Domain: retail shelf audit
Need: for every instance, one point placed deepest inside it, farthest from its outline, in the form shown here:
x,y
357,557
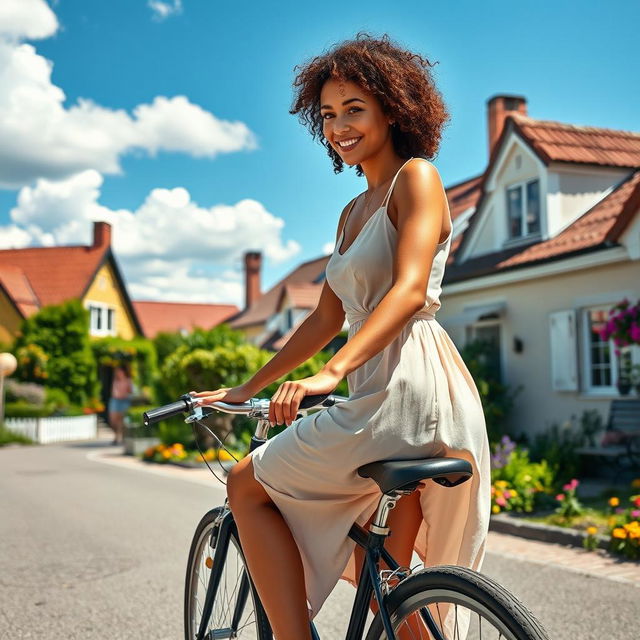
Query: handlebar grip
x,y
167,411
311,401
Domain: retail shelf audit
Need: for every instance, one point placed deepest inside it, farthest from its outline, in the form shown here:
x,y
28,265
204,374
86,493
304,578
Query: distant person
x,y
120,401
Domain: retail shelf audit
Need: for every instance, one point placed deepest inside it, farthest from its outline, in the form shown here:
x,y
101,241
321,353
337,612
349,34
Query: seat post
x,y
387,502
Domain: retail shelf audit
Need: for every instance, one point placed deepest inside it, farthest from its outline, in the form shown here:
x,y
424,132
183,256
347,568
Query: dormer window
x,y
523,208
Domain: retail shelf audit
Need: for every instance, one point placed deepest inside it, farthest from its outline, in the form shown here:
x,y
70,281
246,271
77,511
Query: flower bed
x,y
177,454
616,518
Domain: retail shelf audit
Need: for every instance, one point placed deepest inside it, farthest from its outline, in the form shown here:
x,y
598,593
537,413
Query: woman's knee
x,y
242,486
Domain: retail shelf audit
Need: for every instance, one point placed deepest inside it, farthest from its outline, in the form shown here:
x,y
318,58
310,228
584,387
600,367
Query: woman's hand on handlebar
x,y
238,394
285,402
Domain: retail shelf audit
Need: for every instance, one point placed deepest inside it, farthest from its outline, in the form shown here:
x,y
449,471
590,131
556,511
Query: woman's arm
x,y
421,203
320,326
313,333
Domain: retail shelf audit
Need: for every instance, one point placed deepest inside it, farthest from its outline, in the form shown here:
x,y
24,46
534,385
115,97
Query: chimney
x,y
101,234
498,108
252,265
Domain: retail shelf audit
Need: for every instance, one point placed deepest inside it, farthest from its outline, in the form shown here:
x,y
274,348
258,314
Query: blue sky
x,y
173,124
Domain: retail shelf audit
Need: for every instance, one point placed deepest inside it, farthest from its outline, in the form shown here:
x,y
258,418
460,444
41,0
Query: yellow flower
x,y
614,502
592,531
634,534
619,532
502,484
166,454
498,494
513,493
611,521
224,455
495,508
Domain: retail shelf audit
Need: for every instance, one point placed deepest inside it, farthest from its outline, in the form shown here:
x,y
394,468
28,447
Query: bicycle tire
x,y
469,588
202,536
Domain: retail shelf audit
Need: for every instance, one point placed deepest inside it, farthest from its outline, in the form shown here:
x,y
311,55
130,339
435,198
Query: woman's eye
x,y
328,114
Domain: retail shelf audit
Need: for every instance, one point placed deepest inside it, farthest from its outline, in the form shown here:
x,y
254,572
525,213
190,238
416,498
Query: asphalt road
x,y
92,550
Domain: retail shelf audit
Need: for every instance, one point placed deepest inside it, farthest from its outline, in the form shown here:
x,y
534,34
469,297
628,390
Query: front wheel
x,y
237,611
463,604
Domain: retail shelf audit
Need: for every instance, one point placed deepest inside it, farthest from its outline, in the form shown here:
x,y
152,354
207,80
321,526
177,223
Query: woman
x,y
410,394
119,402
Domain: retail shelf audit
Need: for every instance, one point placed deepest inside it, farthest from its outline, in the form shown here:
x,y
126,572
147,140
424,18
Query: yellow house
x,y
34,277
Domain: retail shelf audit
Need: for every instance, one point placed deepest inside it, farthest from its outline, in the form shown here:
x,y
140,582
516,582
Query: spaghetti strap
x,y
388,194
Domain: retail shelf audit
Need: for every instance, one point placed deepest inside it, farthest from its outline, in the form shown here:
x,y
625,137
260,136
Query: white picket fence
x,y
58,429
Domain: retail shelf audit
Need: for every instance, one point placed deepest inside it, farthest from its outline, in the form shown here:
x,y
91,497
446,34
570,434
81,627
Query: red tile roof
x,y
56,274
14,281
561,142
303,295
176,316
599,227
265,306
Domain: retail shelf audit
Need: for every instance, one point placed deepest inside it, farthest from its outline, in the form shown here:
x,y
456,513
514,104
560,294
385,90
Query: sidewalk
x,y
596,563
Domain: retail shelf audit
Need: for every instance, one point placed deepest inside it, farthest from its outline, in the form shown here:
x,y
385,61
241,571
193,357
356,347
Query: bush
x,y
61,332
24,410
558,444
29,392
497,399
527,485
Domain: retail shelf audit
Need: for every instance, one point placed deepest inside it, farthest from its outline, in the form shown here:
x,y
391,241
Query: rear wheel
x,y
237,611
463,604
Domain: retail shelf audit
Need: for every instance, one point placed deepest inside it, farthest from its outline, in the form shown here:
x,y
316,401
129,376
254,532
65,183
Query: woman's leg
x,y
271,552
119,426
404,522
113,423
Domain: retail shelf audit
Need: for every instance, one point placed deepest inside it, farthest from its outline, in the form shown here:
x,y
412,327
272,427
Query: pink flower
x,y
635,513
620,510
635,332
560,497
501,501
507,494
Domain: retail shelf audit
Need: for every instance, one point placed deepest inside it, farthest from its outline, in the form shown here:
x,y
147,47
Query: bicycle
x,y
215,609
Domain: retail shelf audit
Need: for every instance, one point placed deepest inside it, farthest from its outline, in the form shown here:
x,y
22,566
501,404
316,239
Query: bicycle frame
x,y
369,582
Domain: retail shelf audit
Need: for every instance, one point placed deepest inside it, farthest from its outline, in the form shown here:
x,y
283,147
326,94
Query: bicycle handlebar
x,y
254,407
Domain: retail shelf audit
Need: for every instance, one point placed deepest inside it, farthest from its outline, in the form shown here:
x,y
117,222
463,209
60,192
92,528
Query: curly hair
x,y
401,80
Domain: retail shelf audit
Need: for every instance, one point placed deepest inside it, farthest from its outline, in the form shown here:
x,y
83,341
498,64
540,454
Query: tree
x,y
61,332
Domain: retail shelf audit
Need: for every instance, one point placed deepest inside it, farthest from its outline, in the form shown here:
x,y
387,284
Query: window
x,y
602,365
523,209
102,319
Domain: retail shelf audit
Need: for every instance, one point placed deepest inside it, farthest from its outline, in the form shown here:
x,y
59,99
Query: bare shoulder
x,y
419,182
419,174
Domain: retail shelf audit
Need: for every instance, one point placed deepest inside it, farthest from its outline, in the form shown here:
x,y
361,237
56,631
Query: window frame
x,y
522,186
585,353
106,312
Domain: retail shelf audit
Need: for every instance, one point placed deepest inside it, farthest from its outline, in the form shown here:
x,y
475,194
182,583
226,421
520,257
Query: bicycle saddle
x,y
407,474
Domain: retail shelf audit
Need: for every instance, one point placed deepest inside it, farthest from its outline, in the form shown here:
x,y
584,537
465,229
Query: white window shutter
x,y
564,352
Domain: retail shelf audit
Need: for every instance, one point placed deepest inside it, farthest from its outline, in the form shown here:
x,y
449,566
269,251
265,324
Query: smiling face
x,y
353,116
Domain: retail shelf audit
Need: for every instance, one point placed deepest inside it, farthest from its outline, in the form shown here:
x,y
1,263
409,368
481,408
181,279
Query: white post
x,y
8,364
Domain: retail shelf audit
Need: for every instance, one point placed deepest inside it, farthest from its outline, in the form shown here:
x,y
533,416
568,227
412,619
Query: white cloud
x,y
42,138
162,10
328,248
32,19
169,244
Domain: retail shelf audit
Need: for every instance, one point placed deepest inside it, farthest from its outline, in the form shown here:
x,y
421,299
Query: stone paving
x,y
596,563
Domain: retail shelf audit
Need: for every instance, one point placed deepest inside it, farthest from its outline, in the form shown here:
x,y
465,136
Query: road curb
x,y
514,526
